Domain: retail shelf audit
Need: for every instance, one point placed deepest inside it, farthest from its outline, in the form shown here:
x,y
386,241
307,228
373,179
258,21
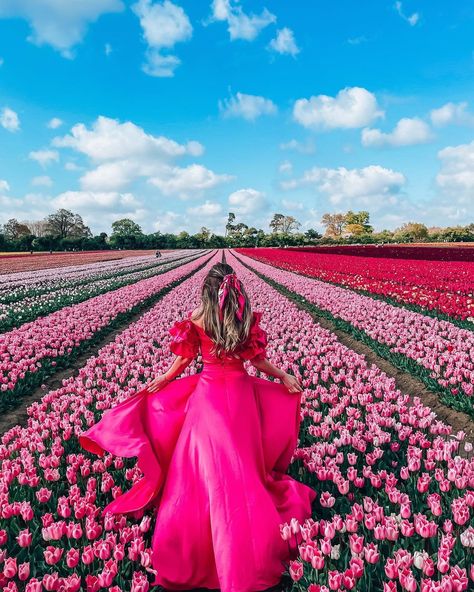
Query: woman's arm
x,y
176,368
290,381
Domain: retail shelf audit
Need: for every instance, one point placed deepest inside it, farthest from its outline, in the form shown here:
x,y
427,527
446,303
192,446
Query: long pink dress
x,y
214,448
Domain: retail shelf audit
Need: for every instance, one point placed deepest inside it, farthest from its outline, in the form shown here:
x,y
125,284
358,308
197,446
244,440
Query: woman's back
x,y
190,336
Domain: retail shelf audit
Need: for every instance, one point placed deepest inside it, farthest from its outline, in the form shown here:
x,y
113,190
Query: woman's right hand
x,y
157,383
291,383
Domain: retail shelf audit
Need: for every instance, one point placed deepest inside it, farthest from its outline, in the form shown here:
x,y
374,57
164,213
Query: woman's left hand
x,y
157,383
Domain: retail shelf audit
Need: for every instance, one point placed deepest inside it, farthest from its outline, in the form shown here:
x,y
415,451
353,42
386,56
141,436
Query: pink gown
x,y
214,448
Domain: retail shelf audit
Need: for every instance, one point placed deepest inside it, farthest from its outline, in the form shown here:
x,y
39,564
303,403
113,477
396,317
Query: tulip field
x,y
394,508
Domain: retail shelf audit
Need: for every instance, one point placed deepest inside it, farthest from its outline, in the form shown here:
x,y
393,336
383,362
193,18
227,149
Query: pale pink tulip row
x,y
385,471
54,274
445,350
24,350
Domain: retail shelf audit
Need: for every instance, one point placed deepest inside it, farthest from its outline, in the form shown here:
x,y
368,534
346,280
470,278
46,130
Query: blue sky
x,y
175,113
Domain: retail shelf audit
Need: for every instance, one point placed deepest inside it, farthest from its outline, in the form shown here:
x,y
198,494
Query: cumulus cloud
x,y
285,167
456,177
124,152
373,186
301,147
412,19
54,123
452,113
164,24
351,108
188,181
248,107
62,25
108,139
206,209
44,157
284,42
407,132
4,185
42,181
9,119
240,25
83,200
247,201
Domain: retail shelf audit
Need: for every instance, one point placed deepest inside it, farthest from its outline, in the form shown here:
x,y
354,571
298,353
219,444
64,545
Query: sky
x,y
175,113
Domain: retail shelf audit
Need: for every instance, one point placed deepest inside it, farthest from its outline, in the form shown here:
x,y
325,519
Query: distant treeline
x,y
64,230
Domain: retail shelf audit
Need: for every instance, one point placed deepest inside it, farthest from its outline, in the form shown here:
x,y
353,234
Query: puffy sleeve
x,y
185,339
255,346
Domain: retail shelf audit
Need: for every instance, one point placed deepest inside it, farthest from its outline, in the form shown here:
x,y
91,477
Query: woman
x,y
214,448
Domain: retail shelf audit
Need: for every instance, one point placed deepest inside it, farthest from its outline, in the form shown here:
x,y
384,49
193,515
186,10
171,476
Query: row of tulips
x,y
395,503
445,287
22,262
440,353
37,349
52,536
25,303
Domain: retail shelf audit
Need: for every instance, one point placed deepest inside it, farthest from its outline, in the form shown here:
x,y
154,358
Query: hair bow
x,y
231,281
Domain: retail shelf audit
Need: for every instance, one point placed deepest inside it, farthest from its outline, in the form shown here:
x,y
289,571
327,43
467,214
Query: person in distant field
x,y
214,447
157,254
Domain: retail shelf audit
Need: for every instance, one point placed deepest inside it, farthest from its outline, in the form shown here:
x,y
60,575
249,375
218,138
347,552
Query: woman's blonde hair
x,y
224,327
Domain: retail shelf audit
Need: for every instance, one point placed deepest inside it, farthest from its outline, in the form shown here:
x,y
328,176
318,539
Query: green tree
x,y
65,224
13,230
126,234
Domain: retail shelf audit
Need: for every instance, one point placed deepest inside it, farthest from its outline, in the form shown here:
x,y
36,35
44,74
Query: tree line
x,y
65,230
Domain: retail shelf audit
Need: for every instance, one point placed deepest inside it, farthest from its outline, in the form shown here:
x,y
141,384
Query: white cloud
x,y
301,147
84,200
456,177
407,132
452,113
108,139
352,107
9,120
188,181
124,152
72,166
44,157
61,24
292,205
411,19
42,181
284,42
207,209
108,49
373,186
357,40
241,25
164,24
247,201
4,185
247,106
285,167
54,123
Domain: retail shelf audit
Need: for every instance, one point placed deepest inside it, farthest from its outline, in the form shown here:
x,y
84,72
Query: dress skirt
x,y
214,449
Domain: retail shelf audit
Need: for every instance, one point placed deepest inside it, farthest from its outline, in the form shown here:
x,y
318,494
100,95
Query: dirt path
x,y
406,382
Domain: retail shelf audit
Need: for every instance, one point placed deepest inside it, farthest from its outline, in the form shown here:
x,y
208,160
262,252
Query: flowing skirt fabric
x,y
214,449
